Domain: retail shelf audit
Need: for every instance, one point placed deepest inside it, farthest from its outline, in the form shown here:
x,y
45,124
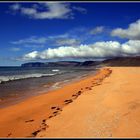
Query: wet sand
x,y
28,118
111,109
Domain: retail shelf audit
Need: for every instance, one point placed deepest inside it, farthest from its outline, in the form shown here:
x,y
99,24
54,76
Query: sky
x,y
54,31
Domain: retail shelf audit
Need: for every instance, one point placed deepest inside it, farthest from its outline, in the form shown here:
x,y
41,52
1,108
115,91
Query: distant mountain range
x,y
60,64
123,61
118,61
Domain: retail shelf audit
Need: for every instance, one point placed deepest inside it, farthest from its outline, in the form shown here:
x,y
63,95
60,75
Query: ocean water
x,y
17,82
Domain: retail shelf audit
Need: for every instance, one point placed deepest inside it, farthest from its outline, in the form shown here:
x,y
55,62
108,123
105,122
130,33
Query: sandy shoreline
x,y
108,106
111,109
25,119
18,97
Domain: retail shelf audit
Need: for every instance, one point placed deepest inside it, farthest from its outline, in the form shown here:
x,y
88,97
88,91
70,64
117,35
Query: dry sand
x,y
105,108
111,109
29,117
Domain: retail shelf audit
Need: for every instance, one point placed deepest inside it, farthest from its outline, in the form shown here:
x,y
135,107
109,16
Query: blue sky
x,y
67,31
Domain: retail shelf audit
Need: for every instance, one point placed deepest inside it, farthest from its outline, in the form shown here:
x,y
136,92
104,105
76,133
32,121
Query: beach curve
x,y
30,115
109,110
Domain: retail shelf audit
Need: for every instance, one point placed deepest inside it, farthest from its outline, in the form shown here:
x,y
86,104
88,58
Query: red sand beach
x,y
111,109
25,118
103,105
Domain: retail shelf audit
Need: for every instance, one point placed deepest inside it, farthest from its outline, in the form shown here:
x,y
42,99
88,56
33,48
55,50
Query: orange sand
x,y
27,118
111,109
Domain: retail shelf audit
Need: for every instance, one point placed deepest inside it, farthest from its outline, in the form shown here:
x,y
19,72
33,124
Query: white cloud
x,y
15,6
132,32
131,47
31,40
34,46
66,41
15,49
96,50
97,30
56,40
80,9
31,55
29,11
51,10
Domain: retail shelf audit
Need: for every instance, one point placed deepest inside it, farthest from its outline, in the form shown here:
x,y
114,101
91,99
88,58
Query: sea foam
x,y
23,76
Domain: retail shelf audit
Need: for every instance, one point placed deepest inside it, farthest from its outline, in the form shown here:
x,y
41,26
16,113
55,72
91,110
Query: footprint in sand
x,y
56,108
97,84
42,128
29,120
90,88
79,92
53,107
55,112
74,95
50,117
36,132
59,109
126,114
134,105
44,124
43,121
68,101
9,134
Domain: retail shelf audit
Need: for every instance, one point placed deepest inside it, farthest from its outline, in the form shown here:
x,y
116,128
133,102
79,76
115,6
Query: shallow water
x,y
18,89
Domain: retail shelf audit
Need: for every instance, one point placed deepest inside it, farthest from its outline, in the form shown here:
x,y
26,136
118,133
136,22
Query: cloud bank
x,y
74,44
15,49
58,40
30,40
97,30
47,10
132,32
96,50
70,41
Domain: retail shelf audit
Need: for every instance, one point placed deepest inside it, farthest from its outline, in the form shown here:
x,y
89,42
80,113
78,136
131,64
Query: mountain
x,y
90,63
33,64
118,61
122,61
59,64
63,64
